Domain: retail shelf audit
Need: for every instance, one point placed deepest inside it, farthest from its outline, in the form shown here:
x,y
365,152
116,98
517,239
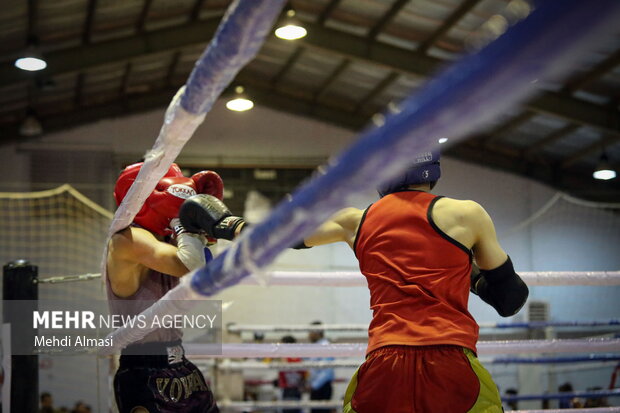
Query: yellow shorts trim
x,y
348,395
489,400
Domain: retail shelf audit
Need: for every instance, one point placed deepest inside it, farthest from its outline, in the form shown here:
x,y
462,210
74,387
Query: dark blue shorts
x,y
161,385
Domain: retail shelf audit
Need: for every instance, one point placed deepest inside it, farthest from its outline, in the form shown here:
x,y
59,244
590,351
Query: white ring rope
x,y
300,328
278,350
336,404
228,365
68,278
281,365
356,279
238,328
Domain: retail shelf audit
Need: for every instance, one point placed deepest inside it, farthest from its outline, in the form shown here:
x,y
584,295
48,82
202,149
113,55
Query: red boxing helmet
x,y
170,192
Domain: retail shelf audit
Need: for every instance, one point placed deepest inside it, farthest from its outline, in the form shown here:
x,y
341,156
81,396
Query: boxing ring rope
x,y
68,278
245,406
606,359
356,279
279,350
462,98
280,328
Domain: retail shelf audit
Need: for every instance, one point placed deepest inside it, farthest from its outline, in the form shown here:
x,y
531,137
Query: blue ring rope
x,y
543,324
554,360
583,394
236,41
462,98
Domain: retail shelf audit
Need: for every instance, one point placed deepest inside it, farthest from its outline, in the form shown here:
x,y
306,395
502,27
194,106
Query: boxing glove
x,y
209,182
205,213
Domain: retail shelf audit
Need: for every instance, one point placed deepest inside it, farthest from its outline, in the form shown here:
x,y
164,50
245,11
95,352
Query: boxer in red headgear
x,y
145,261
164,203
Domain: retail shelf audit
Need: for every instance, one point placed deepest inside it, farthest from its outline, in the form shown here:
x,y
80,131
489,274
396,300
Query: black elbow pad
x,y
502,288
301,245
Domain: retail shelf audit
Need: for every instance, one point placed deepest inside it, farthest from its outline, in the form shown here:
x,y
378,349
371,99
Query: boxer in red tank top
x,y
416,251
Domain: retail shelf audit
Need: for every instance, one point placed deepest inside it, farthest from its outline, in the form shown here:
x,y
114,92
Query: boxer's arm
x,y
497,283
342,226
487,250
140,246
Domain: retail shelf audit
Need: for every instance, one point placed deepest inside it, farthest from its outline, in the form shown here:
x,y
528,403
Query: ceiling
x,y
112,58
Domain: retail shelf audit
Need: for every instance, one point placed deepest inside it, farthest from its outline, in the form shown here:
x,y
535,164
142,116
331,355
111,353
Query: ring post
x,y
20,283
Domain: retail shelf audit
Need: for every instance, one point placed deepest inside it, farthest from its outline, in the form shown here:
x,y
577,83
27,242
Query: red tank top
x,y
418,276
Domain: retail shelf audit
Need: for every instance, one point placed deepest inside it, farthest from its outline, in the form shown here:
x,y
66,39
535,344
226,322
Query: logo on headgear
x,y
426,174
181,191
424,157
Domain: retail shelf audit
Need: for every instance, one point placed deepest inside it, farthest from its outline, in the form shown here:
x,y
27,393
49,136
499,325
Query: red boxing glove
x,y
210,183
164,202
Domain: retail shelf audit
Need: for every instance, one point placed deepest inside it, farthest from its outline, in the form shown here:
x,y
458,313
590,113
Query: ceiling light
x,y
240,102
442,140
604,170
30,126
32,60
290,29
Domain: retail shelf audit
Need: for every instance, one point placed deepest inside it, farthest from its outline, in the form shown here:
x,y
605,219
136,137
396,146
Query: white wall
x,y
568,238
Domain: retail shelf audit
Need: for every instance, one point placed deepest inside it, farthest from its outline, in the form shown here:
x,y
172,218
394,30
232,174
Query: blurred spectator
x,y
291,382
596,402
568,402
511,405
47,403
259,337
81,407
320,379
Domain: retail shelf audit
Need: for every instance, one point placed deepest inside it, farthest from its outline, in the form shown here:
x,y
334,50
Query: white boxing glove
x,y
190,247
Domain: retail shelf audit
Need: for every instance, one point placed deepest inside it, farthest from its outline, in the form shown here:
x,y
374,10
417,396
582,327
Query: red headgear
x,y
164,203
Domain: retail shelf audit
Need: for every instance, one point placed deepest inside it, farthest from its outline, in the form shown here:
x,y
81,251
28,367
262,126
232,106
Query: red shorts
x,y
422,379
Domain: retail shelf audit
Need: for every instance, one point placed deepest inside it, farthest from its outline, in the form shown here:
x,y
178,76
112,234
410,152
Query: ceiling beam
x,y
122,90
331,78
79,87
87,30
549,139
604,118
589,150
376,91
85,57
507,126
289,101
141,22
174,62
195,13
453,19
594,73
288,65
327,11
33,21
275,98
319,38
386,19
576,181
357,49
